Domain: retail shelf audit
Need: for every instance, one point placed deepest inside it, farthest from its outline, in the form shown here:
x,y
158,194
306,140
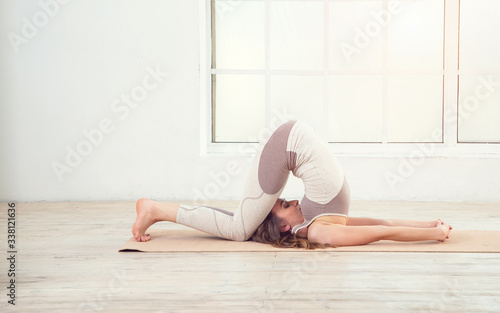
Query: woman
x,y
320,220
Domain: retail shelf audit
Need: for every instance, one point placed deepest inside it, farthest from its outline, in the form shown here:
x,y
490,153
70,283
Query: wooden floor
x,y
67,261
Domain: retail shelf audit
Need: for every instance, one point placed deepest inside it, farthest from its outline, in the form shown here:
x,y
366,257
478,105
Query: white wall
x,y
66,75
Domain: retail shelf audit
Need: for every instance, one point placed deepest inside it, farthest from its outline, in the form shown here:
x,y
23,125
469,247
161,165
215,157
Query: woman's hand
x,y
445,229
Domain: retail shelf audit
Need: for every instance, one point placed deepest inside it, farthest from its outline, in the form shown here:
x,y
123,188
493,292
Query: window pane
x,y
355,108
415,36
300,97
479,108
414,108
479,28
350,45
296,35
239,35
240,111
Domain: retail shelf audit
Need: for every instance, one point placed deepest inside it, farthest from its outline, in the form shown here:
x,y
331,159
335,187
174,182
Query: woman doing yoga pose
x,y
321,219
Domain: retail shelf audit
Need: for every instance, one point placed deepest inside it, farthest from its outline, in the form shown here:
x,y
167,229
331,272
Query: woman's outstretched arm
x,y
367,221
340,235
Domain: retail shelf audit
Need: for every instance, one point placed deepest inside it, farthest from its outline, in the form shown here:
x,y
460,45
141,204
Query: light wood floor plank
x,y
67,261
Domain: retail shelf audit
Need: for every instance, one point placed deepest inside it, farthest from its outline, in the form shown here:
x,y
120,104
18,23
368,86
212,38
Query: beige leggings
x,y
295,147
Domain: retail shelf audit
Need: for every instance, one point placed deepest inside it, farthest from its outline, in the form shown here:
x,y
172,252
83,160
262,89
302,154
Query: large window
x,y
372,76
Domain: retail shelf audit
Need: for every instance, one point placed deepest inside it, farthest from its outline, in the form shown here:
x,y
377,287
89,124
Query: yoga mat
x,y
469,241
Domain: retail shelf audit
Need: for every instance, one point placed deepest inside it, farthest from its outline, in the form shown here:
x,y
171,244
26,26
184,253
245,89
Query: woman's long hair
x,y
269,232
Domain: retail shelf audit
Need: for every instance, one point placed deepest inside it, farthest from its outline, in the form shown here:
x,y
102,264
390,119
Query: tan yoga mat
x,y
469,241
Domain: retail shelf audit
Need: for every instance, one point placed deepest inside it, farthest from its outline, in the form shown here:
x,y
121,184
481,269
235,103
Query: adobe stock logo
x,y
222,7
373,28
222,179
483,91
94,137
30,27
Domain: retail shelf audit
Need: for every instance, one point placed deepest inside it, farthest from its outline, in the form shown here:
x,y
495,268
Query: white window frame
x,y
448,148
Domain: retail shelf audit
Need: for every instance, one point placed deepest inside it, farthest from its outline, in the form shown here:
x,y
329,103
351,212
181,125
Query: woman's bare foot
x,y
145,217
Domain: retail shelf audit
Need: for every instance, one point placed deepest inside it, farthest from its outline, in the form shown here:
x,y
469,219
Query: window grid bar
x,y
326,64
212,76
385,97
268,62
450,78
458,74
329,72
444,135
